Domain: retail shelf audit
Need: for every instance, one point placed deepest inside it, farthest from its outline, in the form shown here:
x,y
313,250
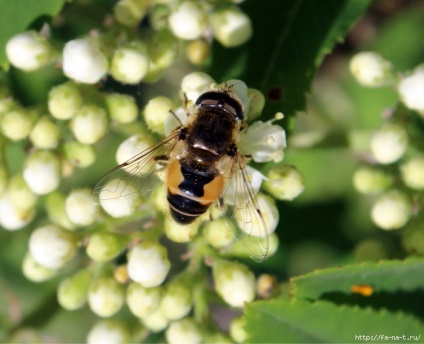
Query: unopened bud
x,y
389,143
90,124
284,182
391,210
105,246
64,100
73,290
143,301
371,69
122,108
105,297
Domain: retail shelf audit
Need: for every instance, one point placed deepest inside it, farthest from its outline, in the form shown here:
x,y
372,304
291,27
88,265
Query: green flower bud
x,y
80,208
371,180
42,172
177,300
20,194
72,291
156,321
65,100
55,206
237,331
370,250
158,17
12,217
180,233
130,12
16,125
391,210
389,143
130,63
52,246
231,26
142,301
122,108
105,297
412,172
413,237
284,182
44,134
234,282
36,272
371,69
219,233
188,20
90,124
155,113
109,331
183,331
148,263
79,154
105,246
198,51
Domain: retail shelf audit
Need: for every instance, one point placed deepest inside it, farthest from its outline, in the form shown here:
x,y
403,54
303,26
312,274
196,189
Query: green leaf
x,y
290,40
386,276
17,15
299,321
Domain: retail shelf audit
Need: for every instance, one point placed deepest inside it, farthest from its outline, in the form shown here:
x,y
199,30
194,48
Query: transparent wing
x,y
243,208
138,175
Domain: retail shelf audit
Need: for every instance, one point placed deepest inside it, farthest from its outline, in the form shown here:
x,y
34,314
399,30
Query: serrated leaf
x,y
289,42
386,276
15,16
299,321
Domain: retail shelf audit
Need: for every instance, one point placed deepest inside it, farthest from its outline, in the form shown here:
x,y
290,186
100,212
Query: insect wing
x,y
138,175
243,208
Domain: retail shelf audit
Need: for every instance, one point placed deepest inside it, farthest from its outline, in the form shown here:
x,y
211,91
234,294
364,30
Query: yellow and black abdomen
x,y
191,190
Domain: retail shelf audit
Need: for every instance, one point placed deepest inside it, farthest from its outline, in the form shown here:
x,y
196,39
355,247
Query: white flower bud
x,y
105,297
130,64
130,12
13,217
16,125
256,103
284,182
219,233
188,21
389,143
148,264
90,124
64,100
411,89
84,61
156,112
118,198
391,210
130,148
180,233
194,84
44,134
412,172
371,69
109,332
183,331
122,108
237,331
177,300
42,172
79,154
105,246
156,321
231,26
198,51
55,206
234,282
143,301
34,271
72,291
371,180
29,51
263,141
52,246
80,207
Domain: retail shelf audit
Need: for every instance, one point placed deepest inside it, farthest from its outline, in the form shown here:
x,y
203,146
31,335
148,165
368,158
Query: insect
x,y
201,166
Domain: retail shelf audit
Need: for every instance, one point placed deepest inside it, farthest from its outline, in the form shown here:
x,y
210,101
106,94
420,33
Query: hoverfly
x,y
201,165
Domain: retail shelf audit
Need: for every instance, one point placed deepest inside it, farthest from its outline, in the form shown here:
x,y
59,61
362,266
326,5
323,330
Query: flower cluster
x,y
394,172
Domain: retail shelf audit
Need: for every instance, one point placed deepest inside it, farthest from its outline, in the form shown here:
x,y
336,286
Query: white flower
x,y
391,210
80,207
194,84
108,332
42,172
183,331
371,69
235,190
231,26
90,124
256,101
263,142
389,143
11,216
234,282
129,64
143,301
105,297
52,246
411,90
83,60
29,51
148,264
118,198
188,21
